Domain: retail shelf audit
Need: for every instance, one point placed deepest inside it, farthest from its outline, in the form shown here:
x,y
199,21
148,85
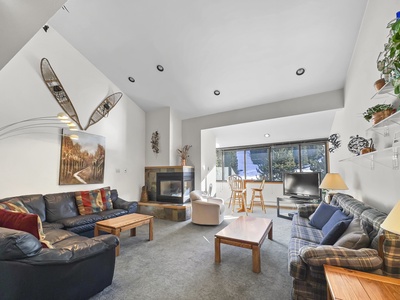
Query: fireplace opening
x,y
174,187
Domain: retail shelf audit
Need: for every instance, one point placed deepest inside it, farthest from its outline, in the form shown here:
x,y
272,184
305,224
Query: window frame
x,y
297,144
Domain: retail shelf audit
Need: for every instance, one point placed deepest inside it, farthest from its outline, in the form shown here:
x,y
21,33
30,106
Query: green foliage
x,y
260,158
283,161
231,161
368,114
389,59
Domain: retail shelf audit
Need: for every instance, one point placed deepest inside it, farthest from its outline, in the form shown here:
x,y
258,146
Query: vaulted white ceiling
x,y
248,50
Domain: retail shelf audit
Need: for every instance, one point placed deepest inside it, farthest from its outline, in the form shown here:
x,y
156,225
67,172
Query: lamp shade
x,y
333,181
392,221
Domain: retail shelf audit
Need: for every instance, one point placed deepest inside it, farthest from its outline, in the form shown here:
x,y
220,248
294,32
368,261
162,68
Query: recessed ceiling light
x,y
216,93
267,135
300,71
160,68
131,79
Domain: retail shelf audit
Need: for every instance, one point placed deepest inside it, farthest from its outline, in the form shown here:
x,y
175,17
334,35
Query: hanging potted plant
x,y
388,61
378,112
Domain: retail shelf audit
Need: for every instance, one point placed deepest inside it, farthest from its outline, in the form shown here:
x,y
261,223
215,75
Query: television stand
x,y
300,197
293,200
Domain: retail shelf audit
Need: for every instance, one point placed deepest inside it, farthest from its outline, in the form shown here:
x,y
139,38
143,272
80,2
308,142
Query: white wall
x,y
30,163
208,160
379,187
158,120
175,138
169,127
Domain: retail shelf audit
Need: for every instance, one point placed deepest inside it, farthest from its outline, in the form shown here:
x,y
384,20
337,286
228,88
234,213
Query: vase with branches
x,y
184,153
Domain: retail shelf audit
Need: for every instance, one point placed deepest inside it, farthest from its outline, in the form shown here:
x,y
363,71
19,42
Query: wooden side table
x,y
347,284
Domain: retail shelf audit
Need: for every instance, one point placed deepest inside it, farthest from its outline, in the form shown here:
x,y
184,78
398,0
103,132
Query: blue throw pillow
x,y
334,234
336,218
322,215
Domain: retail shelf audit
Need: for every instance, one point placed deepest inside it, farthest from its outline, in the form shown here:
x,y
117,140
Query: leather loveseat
x,y
75,266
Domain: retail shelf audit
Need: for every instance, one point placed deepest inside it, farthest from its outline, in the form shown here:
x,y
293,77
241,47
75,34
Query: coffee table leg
x,y
217,250
96,230
133,231
256,259
151,229
270,232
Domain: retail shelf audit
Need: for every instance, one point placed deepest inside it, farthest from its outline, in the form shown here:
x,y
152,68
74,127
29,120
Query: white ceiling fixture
x,y
248,48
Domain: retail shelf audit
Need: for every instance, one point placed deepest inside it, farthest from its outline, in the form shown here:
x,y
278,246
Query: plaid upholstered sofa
x,y
307,256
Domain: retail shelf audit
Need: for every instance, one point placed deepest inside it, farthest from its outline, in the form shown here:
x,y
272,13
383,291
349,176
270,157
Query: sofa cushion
x,y
34,203
80,220
322,215
108,214
29,223
336,218
60,206
354,237
310,234
336,231
16,244
89,202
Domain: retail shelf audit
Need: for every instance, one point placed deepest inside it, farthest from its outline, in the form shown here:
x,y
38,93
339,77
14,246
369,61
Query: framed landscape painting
x,y
82,158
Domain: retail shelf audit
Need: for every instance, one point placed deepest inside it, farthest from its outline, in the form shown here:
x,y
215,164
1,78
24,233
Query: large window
x,y
271,161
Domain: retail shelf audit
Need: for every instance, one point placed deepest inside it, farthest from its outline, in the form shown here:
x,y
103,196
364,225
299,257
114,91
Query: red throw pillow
x,y
106,198
22,221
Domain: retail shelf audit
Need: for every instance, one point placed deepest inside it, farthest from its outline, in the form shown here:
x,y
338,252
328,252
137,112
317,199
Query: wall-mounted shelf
x,y
388,157
387,89
382,126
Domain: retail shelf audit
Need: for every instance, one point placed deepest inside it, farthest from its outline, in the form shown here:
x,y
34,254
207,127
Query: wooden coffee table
x,y
126,222
246,232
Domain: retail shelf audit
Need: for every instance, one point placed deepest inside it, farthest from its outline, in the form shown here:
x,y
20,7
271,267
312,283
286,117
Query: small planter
x,y
380,83
380,116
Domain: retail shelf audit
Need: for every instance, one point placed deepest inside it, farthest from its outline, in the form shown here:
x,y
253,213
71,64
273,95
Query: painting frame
x,y
82,158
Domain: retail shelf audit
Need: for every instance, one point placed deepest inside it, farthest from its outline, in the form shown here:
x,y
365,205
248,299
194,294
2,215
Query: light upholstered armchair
x,y
206,211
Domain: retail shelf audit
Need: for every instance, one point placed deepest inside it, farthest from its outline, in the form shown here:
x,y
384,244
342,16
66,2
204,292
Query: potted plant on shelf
x,y
388,61
184,154
378,112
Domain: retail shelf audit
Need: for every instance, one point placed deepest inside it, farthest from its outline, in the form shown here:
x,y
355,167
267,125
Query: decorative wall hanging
x,y
82,160
335,142
55,87
356,144
155,137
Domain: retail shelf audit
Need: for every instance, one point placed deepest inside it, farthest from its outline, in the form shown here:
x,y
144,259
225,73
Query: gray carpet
x,y
179,264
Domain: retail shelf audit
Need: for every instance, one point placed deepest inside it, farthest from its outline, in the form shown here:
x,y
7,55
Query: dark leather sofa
x,y
78,266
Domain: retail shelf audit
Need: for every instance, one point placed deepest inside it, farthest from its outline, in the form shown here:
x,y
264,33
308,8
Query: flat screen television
x,y
303,185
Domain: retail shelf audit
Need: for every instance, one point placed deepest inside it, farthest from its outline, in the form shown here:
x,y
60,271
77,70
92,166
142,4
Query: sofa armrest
x,y
306,210
130,206
365,259
74,252
215,200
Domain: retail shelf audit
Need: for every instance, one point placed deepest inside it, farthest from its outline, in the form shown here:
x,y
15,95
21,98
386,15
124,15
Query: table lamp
x,y
332,181
391,224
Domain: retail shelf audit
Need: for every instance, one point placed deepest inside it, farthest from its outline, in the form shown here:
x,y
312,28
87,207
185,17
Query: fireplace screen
x,y
174,187
171,188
